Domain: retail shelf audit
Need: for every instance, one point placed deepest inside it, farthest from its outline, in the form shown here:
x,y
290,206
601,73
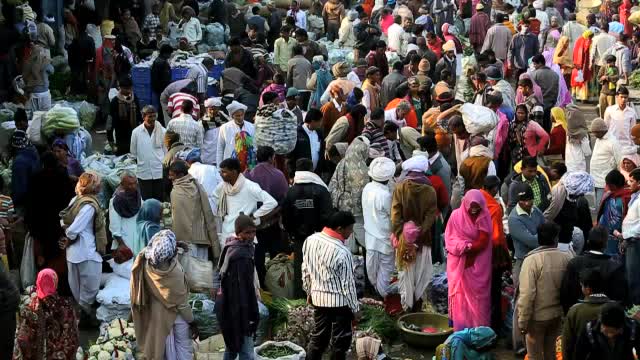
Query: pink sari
x,y
469,295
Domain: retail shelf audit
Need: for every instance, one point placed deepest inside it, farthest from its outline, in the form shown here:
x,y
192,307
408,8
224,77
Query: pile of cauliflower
x,y
116,342
28,295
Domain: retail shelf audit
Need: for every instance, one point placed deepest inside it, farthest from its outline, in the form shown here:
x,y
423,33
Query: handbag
x,y
28,264
199,272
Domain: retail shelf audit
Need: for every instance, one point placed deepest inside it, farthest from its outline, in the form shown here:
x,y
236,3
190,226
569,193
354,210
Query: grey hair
x,y
404,105
126,174
148,109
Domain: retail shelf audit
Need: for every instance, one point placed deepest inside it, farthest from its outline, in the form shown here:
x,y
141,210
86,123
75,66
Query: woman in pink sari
x,y
468,242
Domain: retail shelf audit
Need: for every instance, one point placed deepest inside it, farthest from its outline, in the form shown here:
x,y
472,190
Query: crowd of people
x,y
455,132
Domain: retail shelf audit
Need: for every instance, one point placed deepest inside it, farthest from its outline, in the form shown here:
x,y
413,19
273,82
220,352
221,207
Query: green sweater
x,y
576,321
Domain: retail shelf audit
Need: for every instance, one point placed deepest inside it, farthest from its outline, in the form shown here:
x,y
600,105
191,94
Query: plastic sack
x,y
61,118
204,316
28,264
87,114
301,354
108,313
263,325
34,131
438,293
279,277
478,119
199,272
209,349
115,292
215,34
280,131
6,115
122,270
336,56
94,32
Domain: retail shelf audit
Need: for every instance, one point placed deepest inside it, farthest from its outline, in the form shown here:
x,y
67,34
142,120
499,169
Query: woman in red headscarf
x,y
48,324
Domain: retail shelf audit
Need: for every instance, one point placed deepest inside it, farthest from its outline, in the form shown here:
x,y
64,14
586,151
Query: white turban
x,y
214,101
382,169
235,107
538,4
419,163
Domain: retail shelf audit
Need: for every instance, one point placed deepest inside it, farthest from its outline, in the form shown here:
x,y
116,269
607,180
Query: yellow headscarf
x,y
558,117
587,34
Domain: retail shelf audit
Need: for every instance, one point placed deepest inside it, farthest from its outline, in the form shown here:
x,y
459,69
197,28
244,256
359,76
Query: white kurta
x,y
122,227
209,177
226,138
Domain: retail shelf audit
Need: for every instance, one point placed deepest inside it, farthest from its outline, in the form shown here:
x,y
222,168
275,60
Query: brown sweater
x,y
414,202
474,170
330,115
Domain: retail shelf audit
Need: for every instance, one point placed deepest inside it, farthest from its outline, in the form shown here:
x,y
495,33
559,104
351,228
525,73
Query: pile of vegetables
x,y
166,221
273,351
87,114
634,79
376,320
6,115
27,297
203,309
60,118
116,342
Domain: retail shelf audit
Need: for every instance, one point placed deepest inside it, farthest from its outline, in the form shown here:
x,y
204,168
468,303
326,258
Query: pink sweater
x,y
535,138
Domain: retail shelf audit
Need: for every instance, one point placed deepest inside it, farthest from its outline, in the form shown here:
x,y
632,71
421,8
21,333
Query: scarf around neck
x,y
127,109
308,177
125,203
229,190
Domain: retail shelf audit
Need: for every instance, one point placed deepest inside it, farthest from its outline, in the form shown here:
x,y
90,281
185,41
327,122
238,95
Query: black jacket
x,y
305,210
592,344
612,271
123,127
236,304
160,75
303,150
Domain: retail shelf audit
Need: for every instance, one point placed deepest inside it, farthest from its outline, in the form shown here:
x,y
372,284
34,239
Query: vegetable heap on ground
x,y
116,341
276,351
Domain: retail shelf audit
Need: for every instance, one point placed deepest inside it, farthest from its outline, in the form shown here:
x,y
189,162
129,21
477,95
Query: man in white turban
x,y
376,209
228,131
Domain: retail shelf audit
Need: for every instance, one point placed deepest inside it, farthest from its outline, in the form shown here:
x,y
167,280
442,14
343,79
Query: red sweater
x,y
558,141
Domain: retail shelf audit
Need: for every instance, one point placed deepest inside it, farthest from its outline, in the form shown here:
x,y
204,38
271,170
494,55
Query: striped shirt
x,y
191,131
199,74
174,106
327,272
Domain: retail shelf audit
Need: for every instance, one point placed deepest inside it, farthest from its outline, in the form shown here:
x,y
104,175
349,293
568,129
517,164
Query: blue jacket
x,y
523,229
521,49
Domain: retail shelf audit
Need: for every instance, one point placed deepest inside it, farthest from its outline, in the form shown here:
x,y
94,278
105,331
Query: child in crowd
x,y
608,77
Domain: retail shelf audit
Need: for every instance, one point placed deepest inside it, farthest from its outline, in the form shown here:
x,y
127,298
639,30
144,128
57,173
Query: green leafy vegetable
x,y
276,351
376,319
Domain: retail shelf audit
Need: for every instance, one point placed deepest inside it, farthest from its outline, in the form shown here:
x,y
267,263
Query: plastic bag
x,y
478,119
115,292
279,277
301,354
28,264
122,270
34,131
87,113
215,34
199,272
204,316
280,131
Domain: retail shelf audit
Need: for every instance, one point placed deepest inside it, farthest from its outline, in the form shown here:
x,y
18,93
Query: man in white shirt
x,y
376,208
211,122
190,131
200,74
237,194
395,34
147,147
605,157
397,114
299,15
601,44
227,133
208,176
189,26
620,118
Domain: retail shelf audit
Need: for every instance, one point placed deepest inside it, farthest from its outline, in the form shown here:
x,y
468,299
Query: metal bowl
x,y
420,339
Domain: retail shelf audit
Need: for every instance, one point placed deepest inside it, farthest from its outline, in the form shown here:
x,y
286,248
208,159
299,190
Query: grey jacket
x,y
524,231
548,81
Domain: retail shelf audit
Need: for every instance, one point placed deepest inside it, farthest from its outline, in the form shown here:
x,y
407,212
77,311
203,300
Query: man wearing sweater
x,y
523,227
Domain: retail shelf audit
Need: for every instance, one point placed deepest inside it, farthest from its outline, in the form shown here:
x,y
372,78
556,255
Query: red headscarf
x,y
47,283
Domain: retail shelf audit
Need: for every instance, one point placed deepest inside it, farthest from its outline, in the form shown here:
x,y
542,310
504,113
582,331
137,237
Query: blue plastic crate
x,y
216,71
141,75
143,100
212,91
179,73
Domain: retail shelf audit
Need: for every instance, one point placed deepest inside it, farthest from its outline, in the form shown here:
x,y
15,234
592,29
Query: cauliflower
x,y
94,349
108,347
93,358
114,332
103,355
